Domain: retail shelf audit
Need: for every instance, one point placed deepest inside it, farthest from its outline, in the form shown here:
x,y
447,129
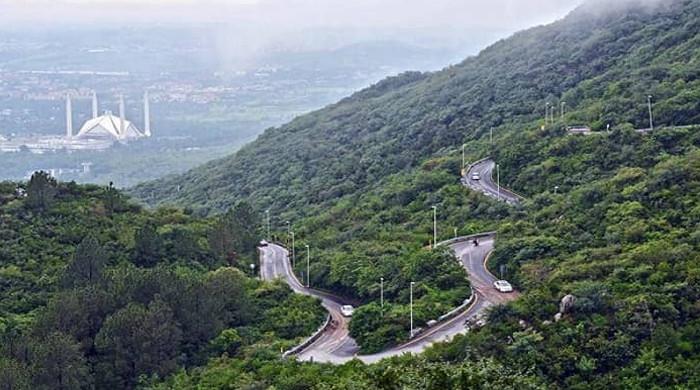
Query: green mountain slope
x,y
619,232
358,179
602,64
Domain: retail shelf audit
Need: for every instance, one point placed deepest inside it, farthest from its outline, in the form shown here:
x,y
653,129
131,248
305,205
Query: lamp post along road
x,y
411,335
308,265
651,113
294,260
289,231
434,226
563,110
498,180
381,295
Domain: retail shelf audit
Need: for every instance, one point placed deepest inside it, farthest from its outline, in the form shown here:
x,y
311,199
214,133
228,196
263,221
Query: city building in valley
x,y
98,133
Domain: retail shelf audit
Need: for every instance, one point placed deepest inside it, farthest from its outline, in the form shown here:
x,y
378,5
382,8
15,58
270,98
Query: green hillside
x,y
96,292
602,65
358,178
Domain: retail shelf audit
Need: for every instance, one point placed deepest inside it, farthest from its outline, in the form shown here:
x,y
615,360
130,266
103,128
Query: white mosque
x,y
98,133
109,126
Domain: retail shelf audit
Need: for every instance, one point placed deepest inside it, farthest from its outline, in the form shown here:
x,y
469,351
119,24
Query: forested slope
x,y
612,218
602,64
97,293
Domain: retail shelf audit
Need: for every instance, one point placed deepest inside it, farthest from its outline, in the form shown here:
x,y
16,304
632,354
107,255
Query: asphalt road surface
x,y
486,183
336,346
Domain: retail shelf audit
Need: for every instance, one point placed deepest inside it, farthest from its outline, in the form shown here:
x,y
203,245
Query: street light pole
x,y
267,212
294,256
381,293
651,113
498,180
411,335
434,226
463,158
289,232
308,266
563,106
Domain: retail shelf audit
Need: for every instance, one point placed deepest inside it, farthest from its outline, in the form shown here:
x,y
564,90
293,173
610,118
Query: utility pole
x,y
498,180
546,115
289,232
491,137
411,335
381,294
651,113
563,109
551,114
308,266
294,256
267,213
434,226
463,159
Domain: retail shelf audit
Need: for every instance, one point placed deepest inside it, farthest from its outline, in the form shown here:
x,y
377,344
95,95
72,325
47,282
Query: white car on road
x,y
503,286
263,243
347,310
476,176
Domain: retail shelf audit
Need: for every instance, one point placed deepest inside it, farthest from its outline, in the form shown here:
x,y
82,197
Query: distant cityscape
x,y
204,106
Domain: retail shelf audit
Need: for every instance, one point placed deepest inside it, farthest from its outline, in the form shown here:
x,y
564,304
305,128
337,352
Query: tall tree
x,y
13,375
148,246
58,364
87,265
137,340
41,191
235,232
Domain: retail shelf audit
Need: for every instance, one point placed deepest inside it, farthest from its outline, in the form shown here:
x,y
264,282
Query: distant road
x,y
335,344
486,183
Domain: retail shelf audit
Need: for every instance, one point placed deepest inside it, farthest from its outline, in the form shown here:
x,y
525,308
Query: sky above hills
x,y
245,28
507,14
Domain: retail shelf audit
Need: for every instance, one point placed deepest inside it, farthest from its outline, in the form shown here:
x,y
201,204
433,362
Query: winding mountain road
x,y
486,184
334,345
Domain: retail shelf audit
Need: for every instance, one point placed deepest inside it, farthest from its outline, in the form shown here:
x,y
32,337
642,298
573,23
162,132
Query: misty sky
x,y
293,14
248,27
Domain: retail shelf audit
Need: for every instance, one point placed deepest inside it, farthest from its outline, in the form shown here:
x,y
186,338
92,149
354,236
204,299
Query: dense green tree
x,y
58,363
41,191
88,264
148,246
235,233
137,340
13,375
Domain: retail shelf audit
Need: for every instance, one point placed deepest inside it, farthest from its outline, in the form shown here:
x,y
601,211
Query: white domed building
x,y
98,133
109,126
117,128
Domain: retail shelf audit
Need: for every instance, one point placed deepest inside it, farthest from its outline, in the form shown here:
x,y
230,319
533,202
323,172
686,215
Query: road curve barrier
x,y
457,240
312,339
467,302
